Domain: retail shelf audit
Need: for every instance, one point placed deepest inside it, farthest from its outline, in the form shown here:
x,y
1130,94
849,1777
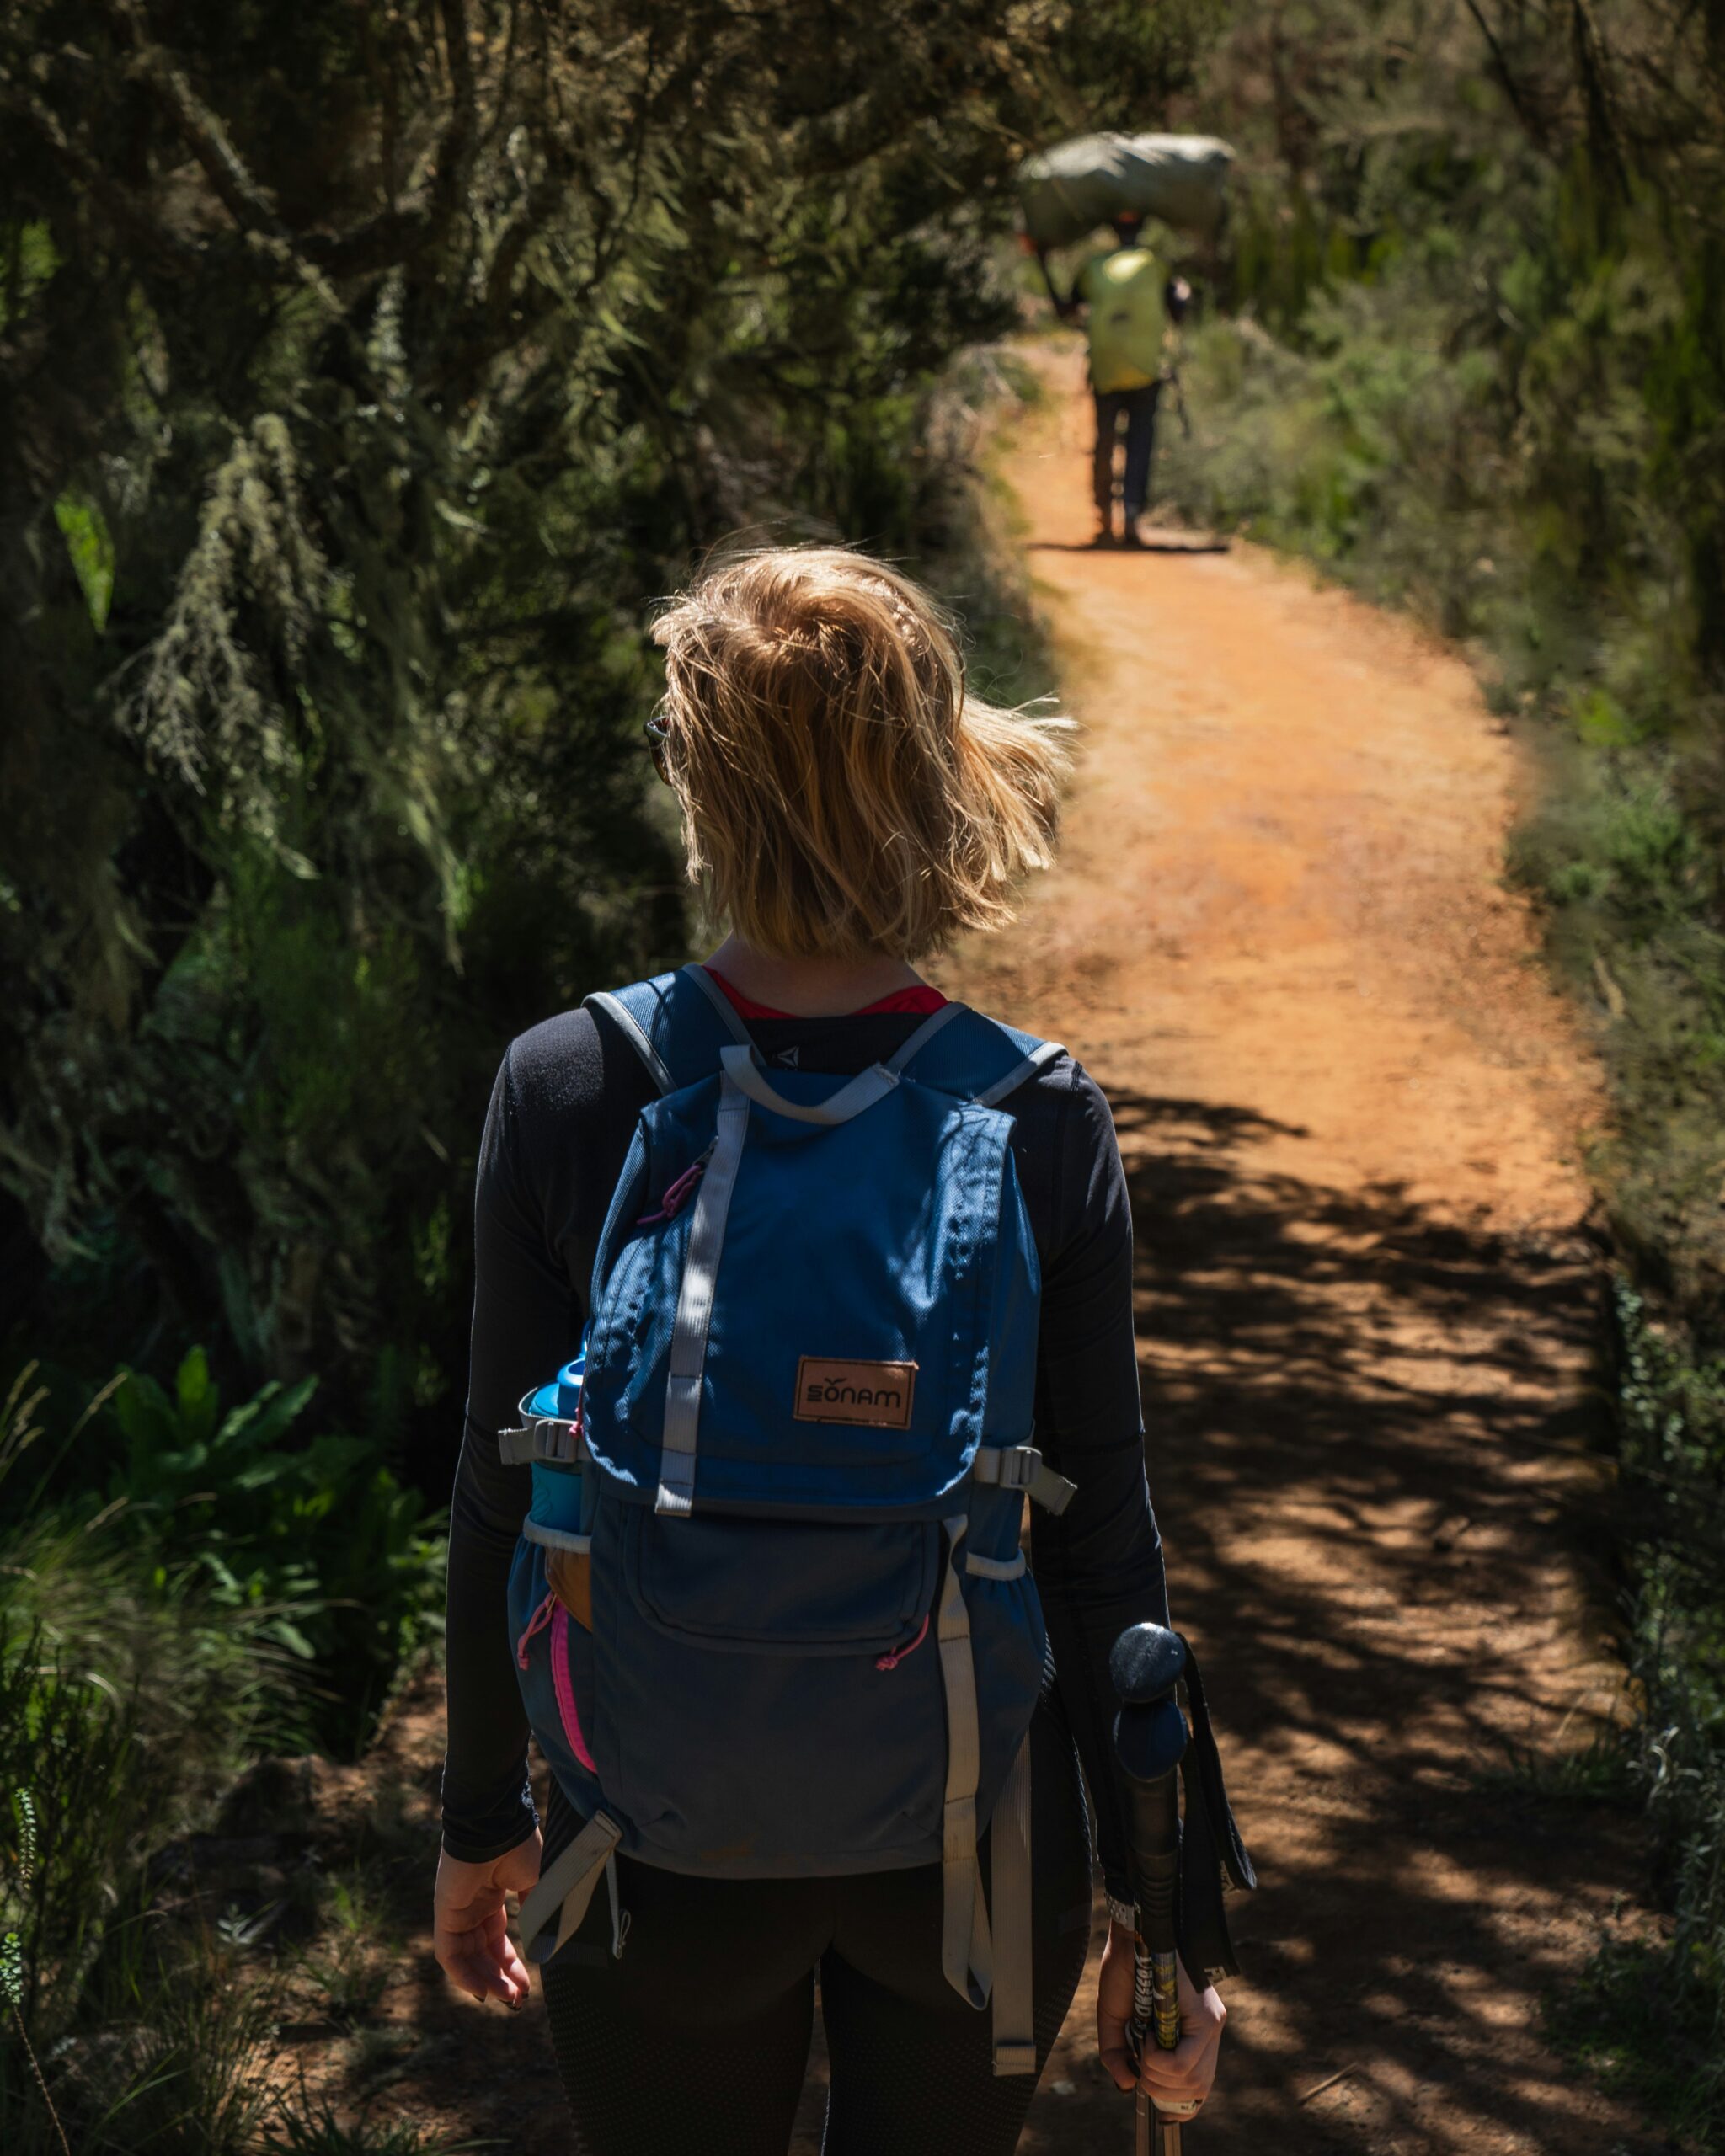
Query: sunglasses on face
x,y
658,736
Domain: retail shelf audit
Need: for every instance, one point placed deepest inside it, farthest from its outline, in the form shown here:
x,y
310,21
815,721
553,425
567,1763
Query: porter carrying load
x,y
1131,300
1180,180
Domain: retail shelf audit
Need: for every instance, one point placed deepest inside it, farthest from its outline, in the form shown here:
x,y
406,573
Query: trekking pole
x,y
1150,1738
1180,401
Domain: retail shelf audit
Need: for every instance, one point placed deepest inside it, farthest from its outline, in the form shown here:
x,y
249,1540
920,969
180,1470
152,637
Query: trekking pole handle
x,y
1155,2007
1153,1855
1150,1739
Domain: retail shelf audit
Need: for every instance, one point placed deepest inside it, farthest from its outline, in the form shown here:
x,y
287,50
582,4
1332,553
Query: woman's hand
x,y
470,1924
1181,2075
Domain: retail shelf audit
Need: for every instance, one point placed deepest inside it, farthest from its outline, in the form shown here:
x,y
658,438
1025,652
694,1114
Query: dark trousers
x,y
697,2039
1137,408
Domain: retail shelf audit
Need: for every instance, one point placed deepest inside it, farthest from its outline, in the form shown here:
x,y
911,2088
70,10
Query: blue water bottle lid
x,y
562,1397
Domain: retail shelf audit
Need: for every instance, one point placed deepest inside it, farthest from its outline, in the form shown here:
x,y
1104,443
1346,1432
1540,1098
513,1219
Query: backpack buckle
x,y
1019,1464
1022,1468
543,1441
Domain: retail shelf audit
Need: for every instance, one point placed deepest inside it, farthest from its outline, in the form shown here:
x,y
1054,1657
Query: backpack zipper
x,y
891,1661
536,1623
672,1201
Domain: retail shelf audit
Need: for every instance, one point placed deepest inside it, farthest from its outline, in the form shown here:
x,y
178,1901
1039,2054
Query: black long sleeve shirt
x,y
561,1114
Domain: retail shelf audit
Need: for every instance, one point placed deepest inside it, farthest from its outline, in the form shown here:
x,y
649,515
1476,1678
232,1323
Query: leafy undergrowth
x,y
1654,2048
180,1590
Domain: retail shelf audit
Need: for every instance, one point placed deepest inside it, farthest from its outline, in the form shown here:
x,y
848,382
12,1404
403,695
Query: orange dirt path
x,y
1351,1109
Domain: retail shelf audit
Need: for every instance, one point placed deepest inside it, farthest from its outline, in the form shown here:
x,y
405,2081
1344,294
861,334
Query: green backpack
x,y
1127,327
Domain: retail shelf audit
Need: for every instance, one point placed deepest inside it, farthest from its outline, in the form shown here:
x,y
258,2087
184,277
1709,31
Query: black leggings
x,y
697,2039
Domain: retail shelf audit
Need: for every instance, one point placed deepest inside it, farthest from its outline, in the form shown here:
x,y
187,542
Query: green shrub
x,y
198,1556
316,1545
1651,2020
219,1591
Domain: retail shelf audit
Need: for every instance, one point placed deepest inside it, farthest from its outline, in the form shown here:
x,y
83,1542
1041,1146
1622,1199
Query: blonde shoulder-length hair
x,y
843,793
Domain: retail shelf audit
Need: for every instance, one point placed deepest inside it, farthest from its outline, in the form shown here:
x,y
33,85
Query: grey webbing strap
x,y
923,1035
556,1538
1044,1053
1021,1467
635,1033
720,1001
566,1886
849,1101
997,1568
688,1337
965,1954
1009,1877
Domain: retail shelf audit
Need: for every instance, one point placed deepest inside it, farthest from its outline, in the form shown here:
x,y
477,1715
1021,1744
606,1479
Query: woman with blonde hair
x,y
848,807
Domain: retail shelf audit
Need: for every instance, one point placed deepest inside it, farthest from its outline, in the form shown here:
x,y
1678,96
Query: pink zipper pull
x,y
672,1203
892,1661
536,1623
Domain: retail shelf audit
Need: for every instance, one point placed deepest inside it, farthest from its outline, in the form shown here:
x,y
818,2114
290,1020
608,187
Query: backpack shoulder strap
x,y
680,1023
677,1023
959,1051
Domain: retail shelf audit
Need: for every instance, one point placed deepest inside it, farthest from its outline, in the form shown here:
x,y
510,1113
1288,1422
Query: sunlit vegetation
x,y
1475,367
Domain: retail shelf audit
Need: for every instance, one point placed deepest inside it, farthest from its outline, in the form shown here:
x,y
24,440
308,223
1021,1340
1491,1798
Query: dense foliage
x,y
366,373
1479,369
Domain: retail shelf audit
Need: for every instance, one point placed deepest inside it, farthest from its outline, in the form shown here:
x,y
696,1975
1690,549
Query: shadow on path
x,y
1368,1444
1198,544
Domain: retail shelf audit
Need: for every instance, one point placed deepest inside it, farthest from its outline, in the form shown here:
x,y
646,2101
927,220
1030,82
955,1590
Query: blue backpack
x,y
772,1614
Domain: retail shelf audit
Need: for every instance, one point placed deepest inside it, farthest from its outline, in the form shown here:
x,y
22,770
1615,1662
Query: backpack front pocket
x,y
769,1694
764,1586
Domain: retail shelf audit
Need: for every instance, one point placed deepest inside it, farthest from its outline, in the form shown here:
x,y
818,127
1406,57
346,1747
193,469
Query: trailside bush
x,y
195,1555
1672,1431
315,1542
205,1590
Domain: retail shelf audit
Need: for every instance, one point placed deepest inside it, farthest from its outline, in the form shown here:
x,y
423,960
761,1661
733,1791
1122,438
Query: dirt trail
x,y
1349,1107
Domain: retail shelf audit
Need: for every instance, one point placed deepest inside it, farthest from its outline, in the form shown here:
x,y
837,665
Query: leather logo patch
x,y
879,1393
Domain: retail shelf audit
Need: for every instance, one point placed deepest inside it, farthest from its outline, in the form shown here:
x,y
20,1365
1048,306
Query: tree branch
x,y
1590,57
251,205
1530,126
461,138
373,243
127,210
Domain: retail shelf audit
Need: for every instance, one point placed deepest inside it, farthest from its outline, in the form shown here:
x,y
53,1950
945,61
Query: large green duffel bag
x,y
1071,189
